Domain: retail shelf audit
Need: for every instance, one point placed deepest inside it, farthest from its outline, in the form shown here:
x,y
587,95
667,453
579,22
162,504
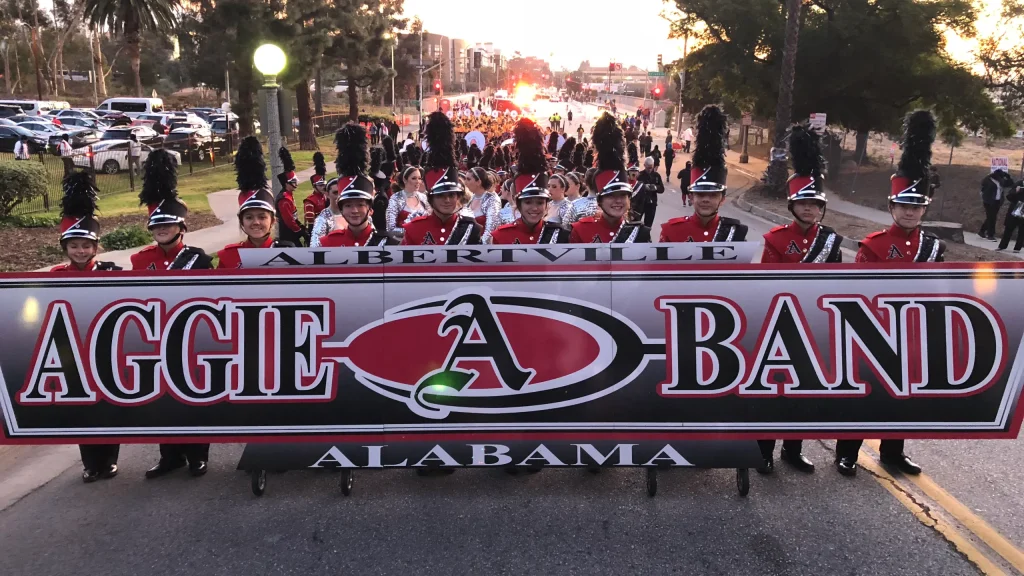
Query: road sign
x,y
655,74
818,121
1000,163
748,120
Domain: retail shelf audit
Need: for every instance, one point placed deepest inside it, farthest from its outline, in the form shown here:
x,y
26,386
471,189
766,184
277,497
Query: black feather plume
x,y
609,142
319,166
530,145
709,150
553,143
588,158
565,152
633,154
441,140
286,159
353,150
488,157
389,148
578,156
79,199
414,155
375,160
918,136
805,151
159,178
250,167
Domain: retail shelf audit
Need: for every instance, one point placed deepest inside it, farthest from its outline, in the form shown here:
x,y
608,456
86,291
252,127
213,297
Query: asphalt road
x,y
486,522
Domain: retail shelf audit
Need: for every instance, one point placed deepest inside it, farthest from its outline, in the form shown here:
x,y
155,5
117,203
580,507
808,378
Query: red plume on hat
x,y
609,142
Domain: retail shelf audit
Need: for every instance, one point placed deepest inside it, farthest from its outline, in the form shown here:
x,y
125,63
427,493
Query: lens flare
x,y
30,311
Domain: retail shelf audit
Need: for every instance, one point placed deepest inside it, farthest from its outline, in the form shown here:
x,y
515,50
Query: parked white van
x,y
132,107
37,107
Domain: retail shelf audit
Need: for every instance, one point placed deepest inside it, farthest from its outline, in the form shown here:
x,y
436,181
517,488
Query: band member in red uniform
x,y
167,224
804,241
356,198
613,192
532,195
255,211
708,187
904,244
316,202
79,239
289,229
445,225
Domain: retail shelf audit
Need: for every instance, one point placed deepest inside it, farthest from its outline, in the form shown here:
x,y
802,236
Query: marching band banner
x,y
473,343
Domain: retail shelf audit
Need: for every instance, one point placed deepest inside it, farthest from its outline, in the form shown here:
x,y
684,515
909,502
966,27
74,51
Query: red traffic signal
x,y
437,86
657,91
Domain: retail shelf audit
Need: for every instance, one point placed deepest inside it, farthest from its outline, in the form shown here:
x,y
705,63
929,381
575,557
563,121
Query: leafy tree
x,y
1002,56
359,28
305,35
864,62
128,19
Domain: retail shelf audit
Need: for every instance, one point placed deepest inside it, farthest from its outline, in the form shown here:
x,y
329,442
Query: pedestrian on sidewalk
x,y
687,140
656,155
993,191
684,183
652,185
65,151
670,155
21,150
1014,219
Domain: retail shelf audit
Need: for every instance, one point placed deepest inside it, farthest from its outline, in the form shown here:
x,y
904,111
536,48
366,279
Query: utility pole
x,y
95,80
682,86
227,86
419,90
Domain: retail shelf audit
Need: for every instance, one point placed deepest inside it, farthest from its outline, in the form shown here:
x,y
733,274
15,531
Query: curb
x,y
739,202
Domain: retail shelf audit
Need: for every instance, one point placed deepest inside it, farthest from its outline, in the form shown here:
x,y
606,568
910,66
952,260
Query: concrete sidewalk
x,y
224,204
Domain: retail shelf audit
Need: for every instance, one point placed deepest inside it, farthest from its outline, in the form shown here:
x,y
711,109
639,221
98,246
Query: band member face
x,y
533,210
807,211
320,187
291,186
332,194
615,206
631,176
474,184
705,204
446,204
556,189
81,250
165,233
907,216
414,182
355,212
257,223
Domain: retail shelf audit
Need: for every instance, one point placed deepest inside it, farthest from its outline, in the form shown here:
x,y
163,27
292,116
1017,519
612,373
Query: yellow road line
x,y
947,531
964,515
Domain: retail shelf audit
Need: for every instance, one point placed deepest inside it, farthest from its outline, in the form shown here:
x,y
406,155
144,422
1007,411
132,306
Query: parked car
x,y
19,118
116,119
10,134
111,156
204,113
6,111
41,128
83,123
6,122
189,137
75,113
144,134
79,137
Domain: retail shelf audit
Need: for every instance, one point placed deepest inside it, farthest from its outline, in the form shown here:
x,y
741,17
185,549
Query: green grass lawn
x,y
194,188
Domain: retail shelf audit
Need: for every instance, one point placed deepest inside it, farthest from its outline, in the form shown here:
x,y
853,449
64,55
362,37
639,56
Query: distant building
x,y
460,62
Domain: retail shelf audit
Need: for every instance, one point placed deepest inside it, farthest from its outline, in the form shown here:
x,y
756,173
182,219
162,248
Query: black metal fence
x,y
119,170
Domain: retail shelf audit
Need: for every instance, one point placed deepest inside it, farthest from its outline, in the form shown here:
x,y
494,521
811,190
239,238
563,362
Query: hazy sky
x,y
566,32
630,31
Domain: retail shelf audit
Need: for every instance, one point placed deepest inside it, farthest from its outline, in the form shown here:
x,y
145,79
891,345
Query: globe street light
x,y
270,60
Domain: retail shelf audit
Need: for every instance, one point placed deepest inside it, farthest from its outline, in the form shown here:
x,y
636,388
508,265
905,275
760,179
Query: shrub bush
x,y
125,237
20,181
48,220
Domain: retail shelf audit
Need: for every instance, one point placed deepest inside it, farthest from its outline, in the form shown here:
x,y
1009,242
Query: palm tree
x,y
777,170
129,19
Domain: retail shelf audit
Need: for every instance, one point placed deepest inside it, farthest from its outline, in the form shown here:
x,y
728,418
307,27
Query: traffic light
x,y
478,59
437,87
657,91
659,62
611,67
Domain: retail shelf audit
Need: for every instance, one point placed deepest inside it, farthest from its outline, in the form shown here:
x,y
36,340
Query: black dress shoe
x,y
902,463
847,465
798,461
109,471
163,468
197,468
90,476
767,468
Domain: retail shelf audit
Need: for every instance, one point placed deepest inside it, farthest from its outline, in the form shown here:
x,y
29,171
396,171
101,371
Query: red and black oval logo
x,y
493,353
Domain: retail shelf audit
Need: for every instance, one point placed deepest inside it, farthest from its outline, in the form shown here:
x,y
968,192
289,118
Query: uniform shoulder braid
x,y
875,234
777,229
108,266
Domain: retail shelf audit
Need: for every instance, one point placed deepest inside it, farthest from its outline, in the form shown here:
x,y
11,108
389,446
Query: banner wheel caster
x,y
258,481
743,481
652,482
347,478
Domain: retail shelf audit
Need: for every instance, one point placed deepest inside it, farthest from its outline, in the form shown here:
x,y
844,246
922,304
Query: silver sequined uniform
x,y
584,206
564,214
397,204
324,224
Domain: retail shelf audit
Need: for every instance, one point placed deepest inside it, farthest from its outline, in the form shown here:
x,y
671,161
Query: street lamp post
x,y
270,60
393,38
